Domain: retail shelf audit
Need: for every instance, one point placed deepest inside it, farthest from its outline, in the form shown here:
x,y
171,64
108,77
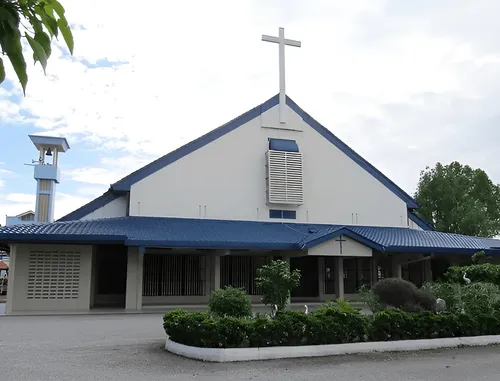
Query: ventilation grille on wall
x,y
284,178
53,274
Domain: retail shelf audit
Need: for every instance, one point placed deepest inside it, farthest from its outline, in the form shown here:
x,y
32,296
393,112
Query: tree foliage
x,y
458,199
38,21
276,281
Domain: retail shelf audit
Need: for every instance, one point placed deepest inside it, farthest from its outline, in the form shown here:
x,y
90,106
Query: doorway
x,y
109,276
309,277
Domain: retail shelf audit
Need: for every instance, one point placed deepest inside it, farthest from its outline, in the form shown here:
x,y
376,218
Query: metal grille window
x,y
174,275
53,275
241,271
284,178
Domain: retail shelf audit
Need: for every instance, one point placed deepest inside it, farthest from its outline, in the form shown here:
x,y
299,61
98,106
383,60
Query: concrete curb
x,y
269,353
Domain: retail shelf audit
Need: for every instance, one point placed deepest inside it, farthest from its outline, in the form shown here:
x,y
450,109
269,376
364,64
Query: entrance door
x,y
110,276
309,279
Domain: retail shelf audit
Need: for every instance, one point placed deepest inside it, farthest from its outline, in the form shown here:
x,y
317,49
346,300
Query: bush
x,y
276,281
200,329
327,325
333,325
230,301
486,272
399,293
473,299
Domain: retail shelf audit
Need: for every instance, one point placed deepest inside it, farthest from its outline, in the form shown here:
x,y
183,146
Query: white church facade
x,y
272,183
210,213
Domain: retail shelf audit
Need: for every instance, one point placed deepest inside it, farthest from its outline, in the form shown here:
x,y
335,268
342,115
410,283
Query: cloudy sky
x,y
405,83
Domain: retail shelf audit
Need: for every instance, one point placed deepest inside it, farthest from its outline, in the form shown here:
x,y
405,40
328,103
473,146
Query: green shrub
x,y
369,298
474,299
326,325
229,301
480,298
287,328
333,325
276,281
200,329
399,293
486,272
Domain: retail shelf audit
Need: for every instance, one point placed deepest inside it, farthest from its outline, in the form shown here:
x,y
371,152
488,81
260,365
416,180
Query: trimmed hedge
x,y
486,272
327,325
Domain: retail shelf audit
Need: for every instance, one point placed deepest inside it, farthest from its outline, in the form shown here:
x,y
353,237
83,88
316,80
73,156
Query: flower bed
x,y
327,325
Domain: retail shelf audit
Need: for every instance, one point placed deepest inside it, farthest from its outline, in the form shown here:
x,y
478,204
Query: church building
x,y
272,183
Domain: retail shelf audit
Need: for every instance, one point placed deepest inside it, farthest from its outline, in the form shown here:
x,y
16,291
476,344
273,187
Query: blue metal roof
x,y
224,234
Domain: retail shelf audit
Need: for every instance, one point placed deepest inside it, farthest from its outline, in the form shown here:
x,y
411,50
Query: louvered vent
x,y
284,178
53,274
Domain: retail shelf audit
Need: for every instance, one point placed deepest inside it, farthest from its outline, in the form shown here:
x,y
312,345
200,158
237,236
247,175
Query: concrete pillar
x,y
216,273
427,270
374,272
135,260
397,271
12,273
339,277
321,278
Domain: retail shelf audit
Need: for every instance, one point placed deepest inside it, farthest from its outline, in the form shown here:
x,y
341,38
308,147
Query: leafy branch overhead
x,y
39,21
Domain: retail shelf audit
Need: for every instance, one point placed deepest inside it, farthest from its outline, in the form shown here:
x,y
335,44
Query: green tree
x,y
458,199
38,21
276,281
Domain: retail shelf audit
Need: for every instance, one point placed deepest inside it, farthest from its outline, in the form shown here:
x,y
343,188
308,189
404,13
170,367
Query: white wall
x,y
227,179
18,298
115,208
413,225
350,248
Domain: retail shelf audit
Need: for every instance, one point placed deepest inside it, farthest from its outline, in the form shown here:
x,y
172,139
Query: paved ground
x,y
130,347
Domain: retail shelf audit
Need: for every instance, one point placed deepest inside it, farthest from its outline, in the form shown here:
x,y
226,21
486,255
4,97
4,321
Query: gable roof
x,y
91,206
423,224
125,183
255,235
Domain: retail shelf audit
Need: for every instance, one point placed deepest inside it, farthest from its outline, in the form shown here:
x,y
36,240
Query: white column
x,y
135,260
339,277
397,271
12,274
321,277
216,273
428,270
374,271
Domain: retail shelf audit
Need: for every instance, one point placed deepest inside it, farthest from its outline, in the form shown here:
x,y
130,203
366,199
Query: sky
x,y
406,84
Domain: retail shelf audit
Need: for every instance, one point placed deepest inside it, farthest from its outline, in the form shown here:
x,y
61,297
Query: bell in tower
x,y
47,174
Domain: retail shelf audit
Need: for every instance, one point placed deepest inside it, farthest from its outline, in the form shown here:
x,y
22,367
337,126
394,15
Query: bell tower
x,y
47,174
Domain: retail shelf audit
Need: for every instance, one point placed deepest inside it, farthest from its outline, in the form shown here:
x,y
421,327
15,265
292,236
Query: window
x,y
286,214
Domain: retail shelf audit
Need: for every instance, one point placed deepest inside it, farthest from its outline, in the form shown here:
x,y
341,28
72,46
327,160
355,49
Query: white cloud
x,y
404,85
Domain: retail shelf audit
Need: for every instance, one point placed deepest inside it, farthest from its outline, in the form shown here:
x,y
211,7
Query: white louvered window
x,y
284,178
53,275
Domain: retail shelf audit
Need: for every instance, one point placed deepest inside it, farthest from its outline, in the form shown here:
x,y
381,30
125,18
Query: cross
x,y
340,240
281,41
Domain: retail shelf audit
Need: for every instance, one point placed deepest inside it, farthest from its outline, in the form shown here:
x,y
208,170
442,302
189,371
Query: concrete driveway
x,y
130,347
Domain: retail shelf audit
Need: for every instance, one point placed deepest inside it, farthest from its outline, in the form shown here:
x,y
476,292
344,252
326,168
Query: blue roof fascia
x,y
438,250
327,134
423,224
343,231
73,238
125,183
90,207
